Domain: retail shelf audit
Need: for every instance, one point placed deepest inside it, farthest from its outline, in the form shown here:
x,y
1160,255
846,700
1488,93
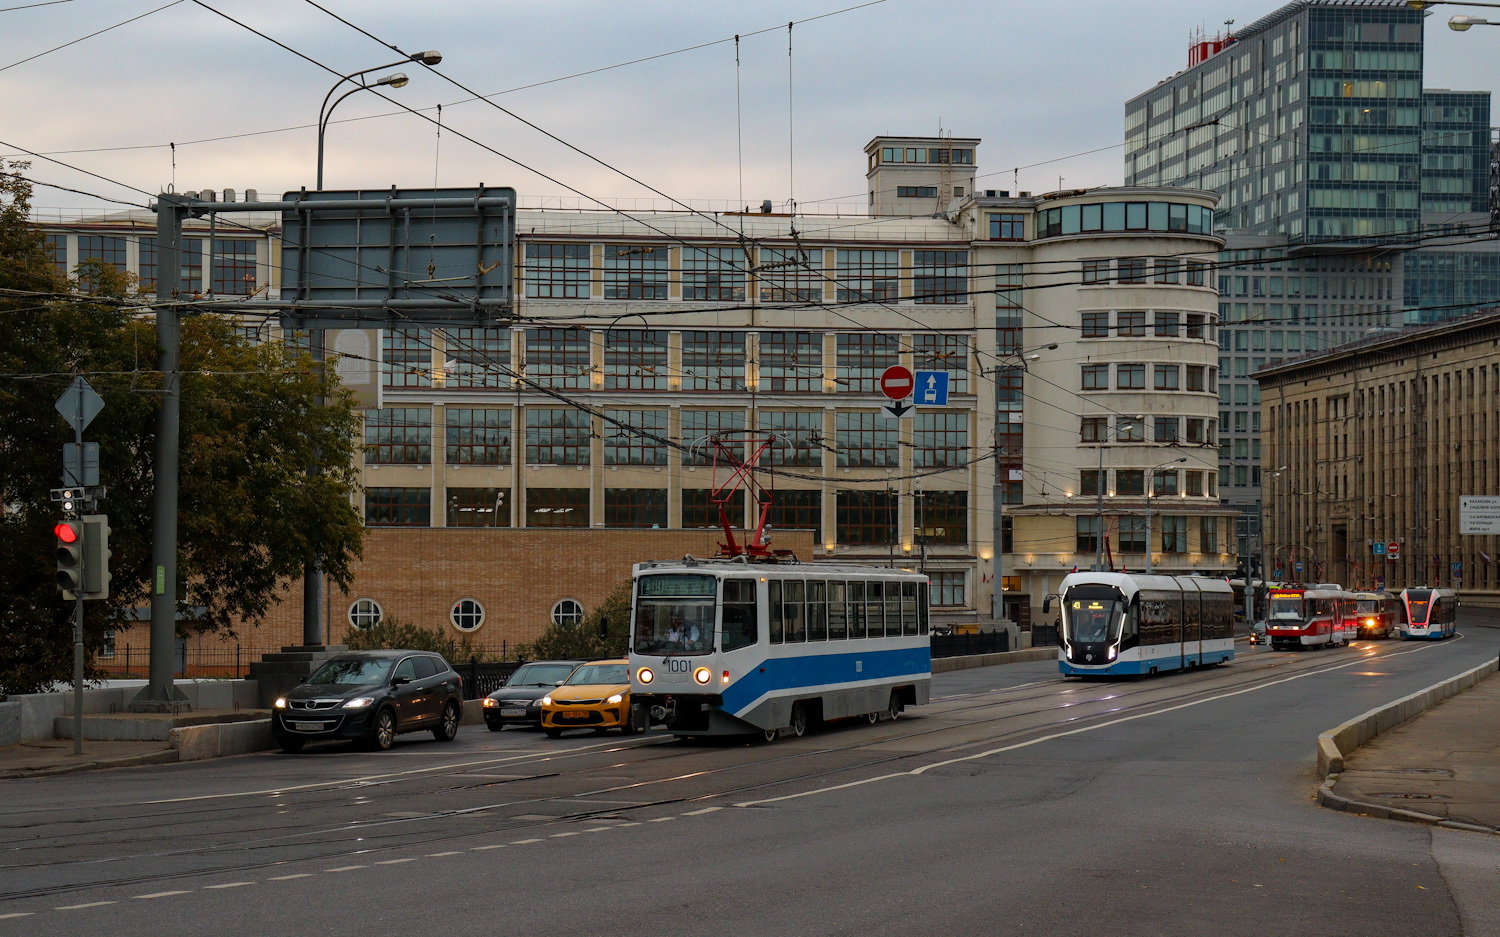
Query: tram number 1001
x,y
678,665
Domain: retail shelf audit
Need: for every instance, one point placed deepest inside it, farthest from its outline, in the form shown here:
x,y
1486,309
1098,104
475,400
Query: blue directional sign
x,y
1378,548
931,389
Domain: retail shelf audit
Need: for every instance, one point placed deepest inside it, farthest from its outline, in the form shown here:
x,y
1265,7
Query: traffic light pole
x,y
78,620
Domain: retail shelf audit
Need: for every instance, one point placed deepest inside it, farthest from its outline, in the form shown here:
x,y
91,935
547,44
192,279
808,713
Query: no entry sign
x,y
897,382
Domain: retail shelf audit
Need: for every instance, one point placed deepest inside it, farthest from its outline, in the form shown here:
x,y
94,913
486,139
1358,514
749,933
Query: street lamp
x,y
1462,23
1424,4
1024,357
1149,485
395,80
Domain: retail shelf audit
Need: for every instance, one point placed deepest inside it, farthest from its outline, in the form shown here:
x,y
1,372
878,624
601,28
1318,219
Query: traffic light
x,y
96,556
70,538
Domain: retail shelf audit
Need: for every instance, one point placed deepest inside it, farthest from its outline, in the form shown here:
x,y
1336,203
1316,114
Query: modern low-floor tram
x,y
1428,613
1128,624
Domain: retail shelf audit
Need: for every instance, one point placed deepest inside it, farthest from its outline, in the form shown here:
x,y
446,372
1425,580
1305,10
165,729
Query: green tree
x,y
252,422
605,632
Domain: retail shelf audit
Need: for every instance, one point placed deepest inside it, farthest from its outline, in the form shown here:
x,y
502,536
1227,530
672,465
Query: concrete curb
x,y
1327,798
166,756
950,664
1342,741
221,739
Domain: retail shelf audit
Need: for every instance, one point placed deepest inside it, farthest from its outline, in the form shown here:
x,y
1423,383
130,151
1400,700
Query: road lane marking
x,y
598,829
568,833
483,848
662,819
523,842
6,917
631,823
160,894
699,813
347,868
230,885
288,878
451,852
95,904
396,861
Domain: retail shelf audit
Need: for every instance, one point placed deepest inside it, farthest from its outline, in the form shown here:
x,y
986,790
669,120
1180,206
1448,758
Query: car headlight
x,y
280,702
617,698
490,703
360,703
545,701
702,675
645,675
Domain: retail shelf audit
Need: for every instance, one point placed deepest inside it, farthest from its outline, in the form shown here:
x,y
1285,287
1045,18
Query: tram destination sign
x,y
1478,515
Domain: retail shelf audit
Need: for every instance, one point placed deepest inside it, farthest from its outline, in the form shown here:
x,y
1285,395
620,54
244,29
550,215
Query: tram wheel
x,y
873,717
893,711
771,734
799,719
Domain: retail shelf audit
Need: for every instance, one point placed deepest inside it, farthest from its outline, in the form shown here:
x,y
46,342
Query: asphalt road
x,y
1016,802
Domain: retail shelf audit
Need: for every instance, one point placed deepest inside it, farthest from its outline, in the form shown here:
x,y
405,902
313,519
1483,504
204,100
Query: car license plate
x,y
308,726
572,715
512,712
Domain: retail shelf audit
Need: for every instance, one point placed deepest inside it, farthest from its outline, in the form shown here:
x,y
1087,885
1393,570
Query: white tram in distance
x,y
1428,613
1123,623
725,646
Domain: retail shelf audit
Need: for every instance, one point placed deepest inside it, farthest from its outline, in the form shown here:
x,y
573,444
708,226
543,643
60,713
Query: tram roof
x,y
722,566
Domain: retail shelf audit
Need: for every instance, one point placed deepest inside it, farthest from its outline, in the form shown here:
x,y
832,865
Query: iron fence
x,y
483,678
1044,636
960,645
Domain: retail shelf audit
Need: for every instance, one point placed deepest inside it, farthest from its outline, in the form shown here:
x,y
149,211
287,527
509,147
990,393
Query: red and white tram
x,y
1310,616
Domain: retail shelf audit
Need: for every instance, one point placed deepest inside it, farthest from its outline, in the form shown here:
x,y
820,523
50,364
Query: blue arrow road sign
x,y
1379,548
932,389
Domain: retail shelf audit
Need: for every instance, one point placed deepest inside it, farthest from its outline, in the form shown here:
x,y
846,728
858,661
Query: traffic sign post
x,y
897,382
1392,551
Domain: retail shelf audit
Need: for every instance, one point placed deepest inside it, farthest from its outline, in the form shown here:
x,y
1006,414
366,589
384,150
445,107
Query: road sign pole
x,y
312,571
78,608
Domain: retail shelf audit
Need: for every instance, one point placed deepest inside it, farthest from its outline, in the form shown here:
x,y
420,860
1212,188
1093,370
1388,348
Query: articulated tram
x,y
1318,615
1428,613
1121,623
724,646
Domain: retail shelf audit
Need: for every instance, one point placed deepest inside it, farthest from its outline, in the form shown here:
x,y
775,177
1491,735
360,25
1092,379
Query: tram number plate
x,y
572,715
308,726
512,712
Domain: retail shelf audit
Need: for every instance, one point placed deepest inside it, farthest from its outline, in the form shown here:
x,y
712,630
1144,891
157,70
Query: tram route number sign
x,y
1478,516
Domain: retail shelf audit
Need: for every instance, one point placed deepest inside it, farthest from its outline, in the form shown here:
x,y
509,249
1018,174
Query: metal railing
x,y
961,645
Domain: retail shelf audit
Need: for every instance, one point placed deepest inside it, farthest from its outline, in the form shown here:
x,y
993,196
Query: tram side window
x,y
892,609
773,606
922,607
838,614
739,614
856,609
817,612
796,620
908,608
875,608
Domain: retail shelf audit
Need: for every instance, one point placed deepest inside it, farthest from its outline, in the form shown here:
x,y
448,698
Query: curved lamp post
x,y
395,80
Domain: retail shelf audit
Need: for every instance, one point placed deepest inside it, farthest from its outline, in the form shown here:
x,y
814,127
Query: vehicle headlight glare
x,y
280,702
490,703
1112,653
702,675
617,698
645,675
546,701
360,703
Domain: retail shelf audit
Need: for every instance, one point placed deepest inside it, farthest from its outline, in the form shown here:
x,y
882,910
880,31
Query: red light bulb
x,y
65,533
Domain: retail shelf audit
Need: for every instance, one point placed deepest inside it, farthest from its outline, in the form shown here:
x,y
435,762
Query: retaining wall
x,y
31,716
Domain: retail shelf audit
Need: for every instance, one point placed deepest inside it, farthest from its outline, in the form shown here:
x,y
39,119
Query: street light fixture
x,y
1462,23
1424,4
1149,486
394,80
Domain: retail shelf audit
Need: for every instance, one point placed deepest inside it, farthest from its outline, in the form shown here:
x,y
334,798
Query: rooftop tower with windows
x,y
919,176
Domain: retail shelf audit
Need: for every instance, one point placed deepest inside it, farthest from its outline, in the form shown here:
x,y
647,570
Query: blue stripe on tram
x,y
777,674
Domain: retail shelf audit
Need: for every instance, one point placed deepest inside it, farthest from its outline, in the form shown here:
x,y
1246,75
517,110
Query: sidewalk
x,y
55,756
1444,764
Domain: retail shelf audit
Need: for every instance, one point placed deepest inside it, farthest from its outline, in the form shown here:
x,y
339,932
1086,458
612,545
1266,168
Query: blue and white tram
x,y
1121,623
1428,613
721,647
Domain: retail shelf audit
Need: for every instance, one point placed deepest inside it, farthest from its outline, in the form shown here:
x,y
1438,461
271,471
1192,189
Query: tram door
x,y
1192,625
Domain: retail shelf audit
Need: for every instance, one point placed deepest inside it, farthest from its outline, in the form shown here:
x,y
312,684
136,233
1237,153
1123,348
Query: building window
x,y
916,191
1132,270
1168,324
1007,227
466,614
791,276
109,250
478,436
481,357
797,509
1164,482
699,509
1195,429
1130,324
57,254
1010,280
635,507
791,361
1168,271
557,507
365,613
934,351
1196,272
866,517
192,263
1097,271
1132,534
626,440
1194,485
398,507
862,357
408,358
1208,535
940,438
1130,429
716,274
635,272
1130,376
1087,535
1095,377
698,428
1174,534
557,437
868,276
1095,325
567,612
940,276
799,437
557,271
107,644
942,517
1088,482
1130,482
948,589
233,267
398,436
478,507
1094,429
713,361
1168,377
635,359
1195,377
866,440
558,357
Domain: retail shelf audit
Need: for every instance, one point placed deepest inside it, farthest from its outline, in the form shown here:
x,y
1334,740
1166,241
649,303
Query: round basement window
x,y
466,614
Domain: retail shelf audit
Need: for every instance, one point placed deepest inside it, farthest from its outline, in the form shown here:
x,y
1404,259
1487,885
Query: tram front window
x,y
1367,606
1286,608
1094,619
1417,602
674,614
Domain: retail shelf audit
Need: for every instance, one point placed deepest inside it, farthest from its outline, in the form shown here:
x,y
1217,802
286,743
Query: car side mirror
x,y
400,680
1047,605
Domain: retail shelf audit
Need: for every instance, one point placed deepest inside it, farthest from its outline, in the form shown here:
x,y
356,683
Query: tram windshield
x,y
1416,603
1094,615
674,614
1285,607
1367,605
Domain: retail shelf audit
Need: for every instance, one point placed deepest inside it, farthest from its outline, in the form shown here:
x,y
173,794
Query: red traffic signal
x,y
70,563
66,531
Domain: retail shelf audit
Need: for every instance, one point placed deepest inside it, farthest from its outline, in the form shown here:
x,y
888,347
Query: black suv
x,y
517,703
371,696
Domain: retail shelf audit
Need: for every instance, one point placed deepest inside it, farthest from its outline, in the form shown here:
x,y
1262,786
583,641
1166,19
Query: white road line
x,y
483,848
288,878
94,904
6,917
598,829
561,835
347,868
699,813
523,842
451,852
230,885
631,823
662,819
915,772
159,894
396,861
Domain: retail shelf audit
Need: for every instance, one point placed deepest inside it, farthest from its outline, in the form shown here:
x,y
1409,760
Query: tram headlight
x,y
645,675
617,698
1112,652
702,675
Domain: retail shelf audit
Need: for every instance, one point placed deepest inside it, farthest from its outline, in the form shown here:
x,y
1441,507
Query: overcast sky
x,y
1034,80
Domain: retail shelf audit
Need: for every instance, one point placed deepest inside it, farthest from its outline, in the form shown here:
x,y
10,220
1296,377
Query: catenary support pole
x,y
312,572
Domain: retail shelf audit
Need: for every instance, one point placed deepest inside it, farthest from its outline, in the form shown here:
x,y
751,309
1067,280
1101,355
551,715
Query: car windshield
x,y
674,614
351,672
540,675
600,674
1094,619
1286,608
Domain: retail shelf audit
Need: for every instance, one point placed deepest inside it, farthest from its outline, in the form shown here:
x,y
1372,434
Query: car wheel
x,y
799,720
493,727
553,733
291,746
383,736
447,727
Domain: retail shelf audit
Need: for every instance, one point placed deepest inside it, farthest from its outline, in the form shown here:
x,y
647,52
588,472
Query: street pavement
x,y
1016,802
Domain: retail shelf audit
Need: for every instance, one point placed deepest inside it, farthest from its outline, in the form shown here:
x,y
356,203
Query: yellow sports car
x,y
596,696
